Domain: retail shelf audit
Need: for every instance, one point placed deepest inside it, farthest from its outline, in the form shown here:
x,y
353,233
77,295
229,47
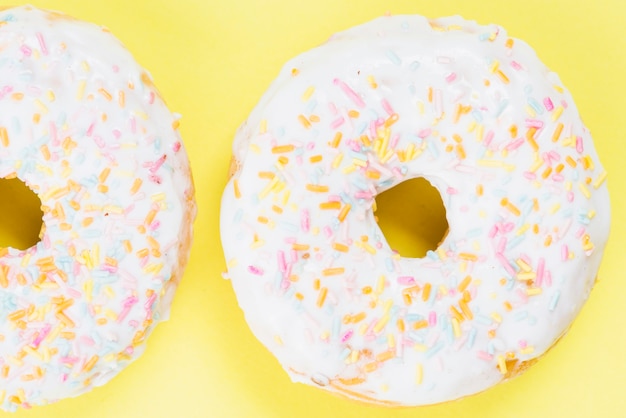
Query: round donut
x,y
476,114
82,125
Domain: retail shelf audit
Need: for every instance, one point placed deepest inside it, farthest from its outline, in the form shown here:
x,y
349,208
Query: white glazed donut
x,y
483,120
82,125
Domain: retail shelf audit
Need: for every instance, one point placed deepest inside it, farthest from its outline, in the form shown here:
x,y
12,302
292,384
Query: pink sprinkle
x,y
118,134
387,107
534,123
26,50
424,133
505,263
122,315
350,93
90,129
540,272
310,146
363,195
304,220
579,144
282,264
328,232
516,66
152,97
116,69
508,227
406,280
493,231
337,122
558,177
523,344
394,141
548,278
530,175
42,44
155,225
501,245
570,196
451,77
548,104
483,355
255,270
580,233
176,146
451,190
158,163
148,305
99,141
432,318
347,335
42,334
284,284
513,145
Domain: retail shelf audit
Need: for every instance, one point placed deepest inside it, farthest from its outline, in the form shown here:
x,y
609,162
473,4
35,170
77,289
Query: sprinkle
x,y
350,93
333,271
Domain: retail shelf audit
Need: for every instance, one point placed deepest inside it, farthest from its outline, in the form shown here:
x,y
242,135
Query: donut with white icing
x,y
475,113
82,125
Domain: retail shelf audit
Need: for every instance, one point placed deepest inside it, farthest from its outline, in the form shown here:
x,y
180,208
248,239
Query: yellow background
x,y
212,59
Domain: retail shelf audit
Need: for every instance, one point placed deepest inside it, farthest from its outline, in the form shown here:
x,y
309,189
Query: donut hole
x,y
412,217
21,218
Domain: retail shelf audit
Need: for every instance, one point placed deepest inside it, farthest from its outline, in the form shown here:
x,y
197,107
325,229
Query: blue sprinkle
x,y
433,149
478,116
361,127
434,349
389,265
92,233
482,319
414,66
554,300
501,107
471,338
288,226
473,233
393,57
536,107
532,320
311,106
520,316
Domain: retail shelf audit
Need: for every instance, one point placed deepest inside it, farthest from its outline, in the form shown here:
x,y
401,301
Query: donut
x,y
476,114
84,128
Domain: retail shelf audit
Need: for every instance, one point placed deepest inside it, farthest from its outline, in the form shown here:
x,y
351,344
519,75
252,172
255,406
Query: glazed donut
x,y
476,114
82,125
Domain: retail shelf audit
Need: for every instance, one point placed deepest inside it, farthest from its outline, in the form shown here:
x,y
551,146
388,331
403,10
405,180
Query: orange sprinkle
x,y
268,175
315,159
385,355
92,362
456,314
4,136
262,219
546,173
466,309
509,43
358,317
304,121
420,324
502,77
236,188
150,217
468,257
136,185
510,206
330,205
430,94
321,297
547,241
400,325
314,118
277,209
460,151
300,247
570,161
426,292
334,271
557,132
317,188
372,174
336,140
283,149
104,174
340,247
513,131
367,290
391,120
353,113
105,94
344,212
464,283
479,190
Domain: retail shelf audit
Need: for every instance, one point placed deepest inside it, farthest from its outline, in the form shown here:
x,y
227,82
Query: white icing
x,y
528,218
83,124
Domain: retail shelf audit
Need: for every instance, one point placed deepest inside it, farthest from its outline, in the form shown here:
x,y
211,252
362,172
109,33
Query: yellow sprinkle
x,y
308,93
523,265
599,180
533,291
4,136
502,77
337,160
317,188
330,205
382,322
523,276
468,257
527,350
557,132
334,271
456,327
419,374
283,149
584,190
557,113
321,297
502,364
496,317
344,212
304,121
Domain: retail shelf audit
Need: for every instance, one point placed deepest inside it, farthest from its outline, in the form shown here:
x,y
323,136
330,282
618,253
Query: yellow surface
x,y
212,59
